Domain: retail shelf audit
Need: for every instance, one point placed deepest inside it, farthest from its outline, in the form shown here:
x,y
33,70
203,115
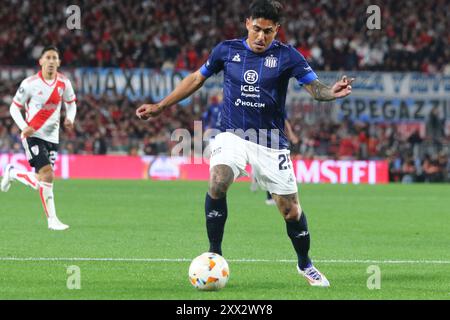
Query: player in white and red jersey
x,y
40,97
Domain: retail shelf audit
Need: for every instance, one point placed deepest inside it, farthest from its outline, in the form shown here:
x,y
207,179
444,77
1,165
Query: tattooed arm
x,y
322,92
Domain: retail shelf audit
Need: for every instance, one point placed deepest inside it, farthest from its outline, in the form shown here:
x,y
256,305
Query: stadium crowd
x,y
179,34
332,35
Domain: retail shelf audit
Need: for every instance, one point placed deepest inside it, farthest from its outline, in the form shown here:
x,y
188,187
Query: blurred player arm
x,y
322,92
69,99
20,99
71,112
290,133
17,116
185,88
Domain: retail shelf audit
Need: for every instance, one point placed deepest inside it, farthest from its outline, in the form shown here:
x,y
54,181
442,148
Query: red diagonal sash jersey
x,y
42,101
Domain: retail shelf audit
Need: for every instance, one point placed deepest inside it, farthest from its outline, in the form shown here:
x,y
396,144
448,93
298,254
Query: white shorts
x,y
272,168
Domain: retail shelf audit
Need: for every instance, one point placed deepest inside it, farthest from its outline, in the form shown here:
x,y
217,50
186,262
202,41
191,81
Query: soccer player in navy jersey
x,y
256,73
211,117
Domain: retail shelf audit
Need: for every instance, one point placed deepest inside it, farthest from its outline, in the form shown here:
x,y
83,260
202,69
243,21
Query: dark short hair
x,y
267,9
49,48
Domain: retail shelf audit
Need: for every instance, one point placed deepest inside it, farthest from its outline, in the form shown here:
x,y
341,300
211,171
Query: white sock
x,y
48,200
25,177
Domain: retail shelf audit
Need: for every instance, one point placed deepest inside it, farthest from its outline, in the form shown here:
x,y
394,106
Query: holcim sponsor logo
x,y
251,104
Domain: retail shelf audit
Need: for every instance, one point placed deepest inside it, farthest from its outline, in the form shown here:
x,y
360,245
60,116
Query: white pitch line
x,y
326,261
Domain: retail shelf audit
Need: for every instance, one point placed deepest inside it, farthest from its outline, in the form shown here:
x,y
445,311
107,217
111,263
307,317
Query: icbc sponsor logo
x,y
249,90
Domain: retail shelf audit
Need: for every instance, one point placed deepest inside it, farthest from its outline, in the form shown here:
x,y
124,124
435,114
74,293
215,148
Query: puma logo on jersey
x,y
237,58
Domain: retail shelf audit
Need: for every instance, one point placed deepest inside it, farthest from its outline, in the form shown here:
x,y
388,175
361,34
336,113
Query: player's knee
x,y
291,213
218,189
46,175
288,206
218,186
220,181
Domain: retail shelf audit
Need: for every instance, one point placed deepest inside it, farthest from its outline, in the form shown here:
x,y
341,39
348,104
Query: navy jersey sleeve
x,y
215,61
300,68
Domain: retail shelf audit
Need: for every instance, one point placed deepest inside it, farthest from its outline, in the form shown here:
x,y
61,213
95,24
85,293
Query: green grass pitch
x,y
135,240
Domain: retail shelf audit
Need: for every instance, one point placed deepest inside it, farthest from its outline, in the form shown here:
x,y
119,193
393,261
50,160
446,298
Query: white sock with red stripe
x,y
48,200
25,177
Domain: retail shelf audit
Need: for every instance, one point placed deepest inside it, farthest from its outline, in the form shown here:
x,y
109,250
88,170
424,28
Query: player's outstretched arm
x,y
185,88
322,92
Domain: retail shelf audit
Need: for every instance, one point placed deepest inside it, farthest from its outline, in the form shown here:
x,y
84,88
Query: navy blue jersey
x,y
211,117
255,87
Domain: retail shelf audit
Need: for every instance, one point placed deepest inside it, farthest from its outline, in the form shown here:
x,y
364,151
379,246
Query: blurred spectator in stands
x,y
362,141
395,167
444,165
435,126
100,144
432,170
332,35
415,140
347,148
408,171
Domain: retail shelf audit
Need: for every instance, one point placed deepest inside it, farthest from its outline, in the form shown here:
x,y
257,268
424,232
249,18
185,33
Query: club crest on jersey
x,y
271,62
60,91
236,58
35,150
